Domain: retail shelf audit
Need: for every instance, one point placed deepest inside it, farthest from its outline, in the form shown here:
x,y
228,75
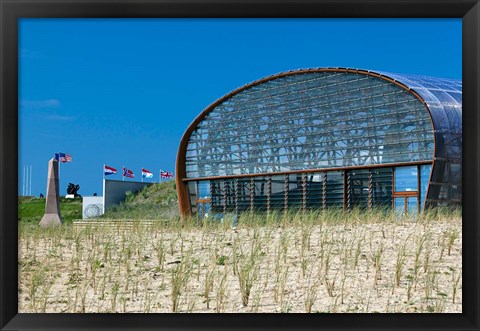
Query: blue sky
x,y
123,91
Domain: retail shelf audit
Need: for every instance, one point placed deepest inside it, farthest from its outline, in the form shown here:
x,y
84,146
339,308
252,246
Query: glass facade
x,y
443,98
344,189
311,121
327,138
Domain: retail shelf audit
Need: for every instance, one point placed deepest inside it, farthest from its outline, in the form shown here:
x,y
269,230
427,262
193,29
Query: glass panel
x,y
382,184
315,190
217,190
412,205
192,195
243,194
203,193
400,206
424,178
204,189
203,209
229,195
334,189
277,195
406,179
357,188
294,191
260,193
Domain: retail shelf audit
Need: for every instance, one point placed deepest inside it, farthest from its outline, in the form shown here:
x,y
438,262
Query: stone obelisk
x,y
52,206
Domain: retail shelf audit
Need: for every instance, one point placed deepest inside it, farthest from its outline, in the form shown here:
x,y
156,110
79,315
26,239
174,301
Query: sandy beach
x,y
296,267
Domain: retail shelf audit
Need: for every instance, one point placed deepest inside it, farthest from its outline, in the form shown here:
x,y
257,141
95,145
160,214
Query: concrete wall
x,y
92,207
114,191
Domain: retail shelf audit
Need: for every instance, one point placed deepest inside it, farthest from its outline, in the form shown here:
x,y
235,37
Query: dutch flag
x,y
109,170
146,173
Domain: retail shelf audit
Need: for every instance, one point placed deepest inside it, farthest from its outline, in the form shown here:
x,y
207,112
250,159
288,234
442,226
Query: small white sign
x,y
92,207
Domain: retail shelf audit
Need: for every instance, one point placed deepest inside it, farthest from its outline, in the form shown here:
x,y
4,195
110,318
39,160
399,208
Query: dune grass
x,y
320,261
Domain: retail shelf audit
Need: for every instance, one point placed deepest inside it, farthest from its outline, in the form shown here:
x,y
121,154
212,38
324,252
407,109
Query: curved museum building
x,y
322,138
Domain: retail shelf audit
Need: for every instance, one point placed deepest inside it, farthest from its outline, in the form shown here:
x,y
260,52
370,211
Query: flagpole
x,y
26,183
104,171
59,172
123,173
23,185
28,180
142,175
31,168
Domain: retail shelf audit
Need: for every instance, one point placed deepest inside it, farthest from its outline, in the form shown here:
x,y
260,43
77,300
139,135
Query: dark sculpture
x,y
73,189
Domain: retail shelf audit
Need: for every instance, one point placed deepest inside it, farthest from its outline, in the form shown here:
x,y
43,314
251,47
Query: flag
x,y
109,170
62,157
146,173
165,174
128,173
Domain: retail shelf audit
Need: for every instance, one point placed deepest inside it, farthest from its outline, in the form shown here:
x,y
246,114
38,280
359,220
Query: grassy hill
x,y
31,209
158,201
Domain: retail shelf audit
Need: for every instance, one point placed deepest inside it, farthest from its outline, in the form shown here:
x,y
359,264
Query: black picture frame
x,y
12,10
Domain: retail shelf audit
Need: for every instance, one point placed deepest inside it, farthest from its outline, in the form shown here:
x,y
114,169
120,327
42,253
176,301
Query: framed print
x,y
239,165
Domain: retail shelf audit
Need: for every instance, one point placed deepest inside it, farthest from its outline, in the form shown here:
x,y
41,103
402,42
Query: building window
x,y
406,179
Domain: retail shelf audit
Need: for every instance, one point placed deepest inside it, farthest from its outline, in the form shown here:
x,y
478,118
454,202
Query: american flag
x,y
128,173
165,174
62,157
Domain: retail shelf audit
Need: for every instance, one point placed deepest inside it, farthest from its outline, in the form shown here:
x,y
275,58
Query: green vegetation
x,y
31,210
154,202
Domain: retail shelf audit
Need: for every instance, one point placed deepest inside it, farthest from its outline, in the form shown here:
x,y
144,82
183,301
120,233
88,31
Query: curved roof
x,y
443,97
